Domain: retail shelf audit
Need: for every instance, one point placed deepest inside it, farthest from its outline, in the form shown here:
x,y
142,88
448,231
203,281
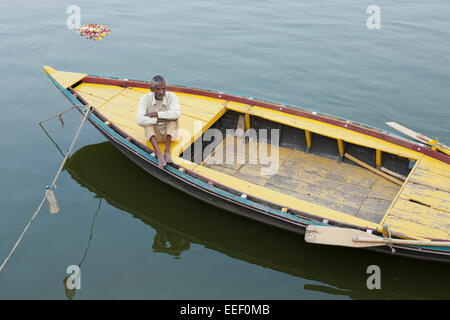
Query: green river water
x,y
136,238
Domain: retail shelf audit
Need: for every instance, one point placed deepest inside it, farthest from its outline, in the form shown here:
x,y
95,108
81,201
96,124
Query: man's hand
x,y
155,115
152,114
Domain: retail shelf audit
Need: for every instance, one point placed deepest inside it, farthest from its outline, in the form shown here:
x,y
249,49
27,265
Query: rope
x,y
390,244
91,233
87,112
61,113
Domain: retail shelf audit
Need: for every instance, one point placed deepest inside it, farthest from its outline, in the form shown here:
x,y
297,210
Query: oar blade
x,y
336,236
408,132
420,137
444,149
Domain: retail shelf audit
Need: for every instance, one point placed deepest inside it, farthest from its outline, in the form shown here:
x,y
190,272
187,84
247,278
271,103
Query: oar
x,y
376,171
347,237
420,137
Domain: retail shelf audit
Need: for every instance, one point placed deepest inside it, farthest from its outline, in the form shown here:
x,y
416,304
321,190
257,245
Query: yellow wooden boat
x,y
340,182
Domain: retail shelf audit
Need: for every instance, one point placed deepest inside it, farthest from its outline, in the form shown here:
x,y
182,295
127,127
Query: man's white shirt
x,y
168,108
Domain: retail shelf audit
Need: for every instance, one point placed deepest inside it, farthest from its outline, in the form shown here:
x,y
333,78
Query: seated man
x,y
158,113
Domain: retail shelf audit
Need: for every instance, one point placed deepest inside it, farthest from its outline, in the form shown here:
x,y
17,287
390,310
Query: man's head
x,y
159,87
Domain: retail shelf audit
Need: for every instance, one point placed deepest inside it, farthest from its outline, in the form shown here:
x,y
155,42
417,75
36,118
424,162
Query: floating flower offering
x,y
94,31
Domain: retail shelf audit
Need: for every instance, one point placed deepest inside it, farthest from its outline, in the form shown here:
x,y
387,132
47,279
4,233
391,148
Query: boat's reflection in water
x,y
179,222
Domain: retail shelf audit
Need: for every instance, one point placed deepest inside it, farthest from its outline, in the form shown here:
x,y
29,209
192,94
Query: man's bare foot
x,y
167,157
161,161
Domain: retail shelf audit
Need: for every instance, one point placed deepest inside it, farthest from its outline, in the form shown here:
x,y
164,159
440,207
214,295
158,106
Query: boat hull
x,y
224,197
251,213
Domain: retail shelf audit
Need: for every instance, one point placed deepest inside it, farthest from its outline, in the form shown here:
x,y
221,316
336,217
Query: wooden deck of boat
x,y
422,207
343,187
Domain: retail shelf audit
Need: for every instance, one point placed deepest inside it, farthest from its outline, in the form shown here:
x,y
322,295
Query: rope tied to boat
x,y
390,244
49,196
61,113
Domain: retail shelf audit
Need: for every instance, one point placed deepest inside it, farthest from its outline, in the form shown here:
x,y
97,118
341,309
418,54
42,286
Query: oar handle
x,y
403,241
